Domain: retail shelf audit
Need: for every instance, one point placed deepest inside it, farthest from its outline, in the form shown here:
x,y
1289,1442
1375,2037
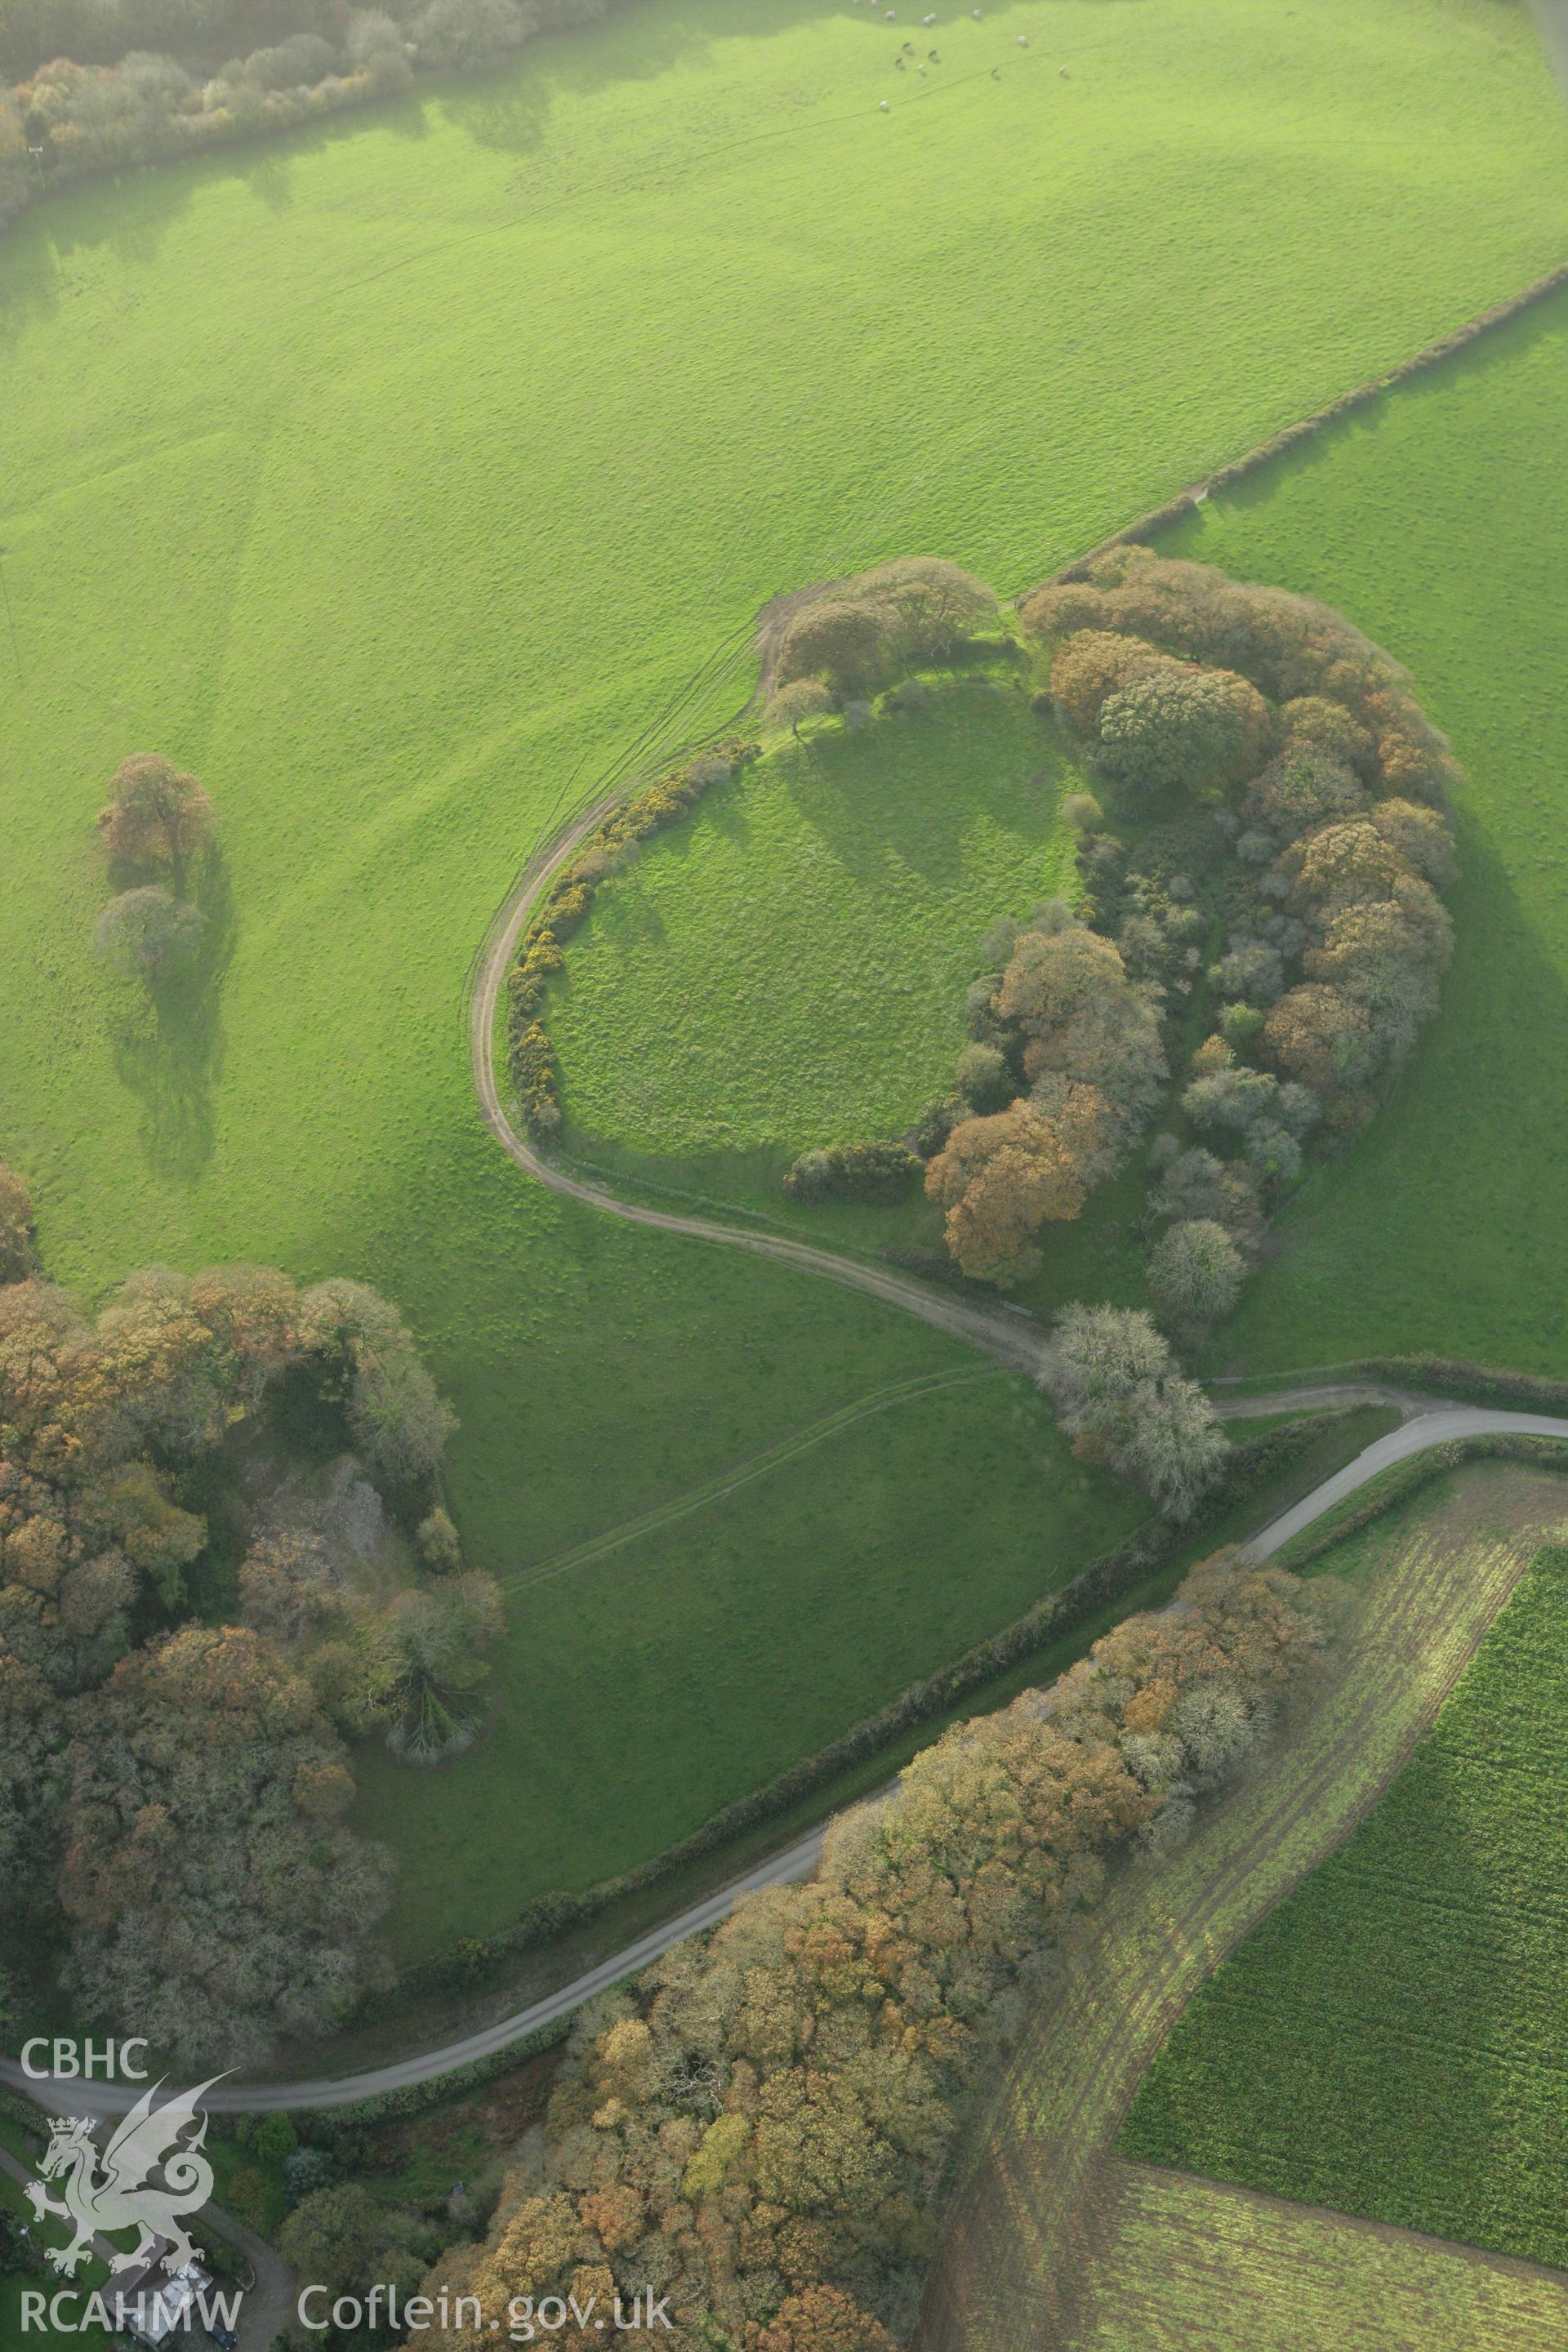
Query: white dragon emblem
x,y
147,2179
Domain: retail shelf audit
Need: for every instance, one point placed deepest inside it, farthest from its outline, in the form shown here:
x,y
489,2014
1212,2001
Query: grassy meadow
x,y
1435,520
697,1659
787,967
400,476
1390,2040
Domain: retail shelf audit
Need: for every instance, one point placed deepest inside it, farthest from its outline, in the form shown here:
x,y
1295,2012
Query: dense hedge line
x,y
1159,519
99,85
564,909
1252,1465
1442,1375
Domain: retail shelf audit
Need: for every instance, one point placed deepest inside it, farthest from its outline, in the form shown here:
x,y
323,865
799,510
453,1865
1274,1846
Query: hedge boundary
x,y
475,1960
1149,526
1499,1446
1452,1376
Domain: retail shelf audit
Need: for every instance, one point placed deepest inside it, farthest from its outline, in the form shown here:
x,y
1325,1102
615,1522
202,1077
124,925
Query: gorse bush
x,y
853,1171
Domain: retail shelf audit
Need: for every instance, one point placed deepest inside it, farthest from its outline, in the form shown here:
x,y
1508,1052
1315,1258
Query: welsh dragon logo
x,y
148,2178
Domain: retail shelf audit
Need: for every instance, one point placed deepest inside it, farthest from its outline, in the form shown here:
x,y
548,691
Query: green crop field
x,y
400,476
1390,2040
1435,520
788,967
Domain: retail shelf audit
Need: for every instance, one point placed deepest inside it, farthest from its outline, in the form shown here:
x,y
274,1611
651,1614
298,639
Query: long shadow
x,y
168,1050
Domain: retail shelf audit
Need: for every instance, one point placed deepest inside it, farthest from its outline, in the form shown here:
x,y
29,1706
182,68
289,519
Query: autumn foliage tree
x,y
157,816
216,1897
757,2131
1001,1178
180,1803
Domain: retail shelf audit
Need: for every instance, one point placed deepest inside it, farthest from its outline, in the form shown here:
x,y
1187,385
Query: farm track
x,y
741,1474
1035,2239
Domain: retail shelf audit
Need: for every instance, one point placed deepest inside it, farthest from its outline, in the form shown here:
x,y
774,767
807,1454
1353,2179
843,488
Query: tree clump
x,y
171,1794
1285,790
758,2128
157,816
1120,1391
916,609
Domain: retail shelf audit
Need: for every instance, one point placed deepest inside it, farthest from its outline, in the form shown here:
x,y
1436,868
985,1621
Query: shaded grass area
x,y
1339,1441
41,2280
1435,520
787,968
650,1683
1390,2041
463,473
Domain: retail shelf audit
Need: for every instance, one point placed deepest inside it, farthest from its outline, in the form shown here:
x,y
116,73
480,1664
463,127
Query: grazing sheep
x,y
883,107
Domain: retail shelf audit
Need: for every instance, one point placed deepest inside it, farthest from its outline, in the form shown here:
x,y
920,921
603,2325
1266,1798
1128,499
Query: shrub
x,y
149,934
1083,812
853,1171
536,1077
438,1546
1196,1271
307,2170
983,1078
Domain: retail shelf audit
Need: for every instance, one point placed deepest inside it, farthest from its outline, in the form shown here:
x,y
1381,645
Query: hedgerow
x,y
564,909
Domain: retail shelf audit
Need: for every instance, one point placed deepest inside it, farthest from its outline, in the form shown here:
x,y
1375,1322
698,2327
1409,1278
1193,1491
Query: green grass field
x,y
660,1679
787,968
398,476
1389,2041
1435,520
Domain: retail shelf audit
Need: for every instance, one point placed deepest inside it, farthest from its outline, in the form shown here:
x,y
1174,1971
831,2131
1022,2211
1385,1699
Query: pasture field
x,y
1435,519
403,476
1389,2041
695,1660
787,967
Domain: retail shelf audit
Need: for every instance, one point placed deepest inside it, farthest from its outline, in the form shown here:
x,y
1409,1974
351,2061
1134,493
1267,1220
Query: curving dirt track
x,y
1014,1340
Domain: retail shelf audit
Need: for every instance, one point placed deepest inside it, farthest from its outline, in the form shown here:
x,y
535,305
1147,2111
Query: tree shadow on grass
x,y
168,1049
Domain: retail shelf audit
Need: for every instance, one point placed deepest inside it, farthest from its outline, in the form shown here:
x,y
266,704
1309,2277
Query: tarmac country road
x,y
1430,1421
